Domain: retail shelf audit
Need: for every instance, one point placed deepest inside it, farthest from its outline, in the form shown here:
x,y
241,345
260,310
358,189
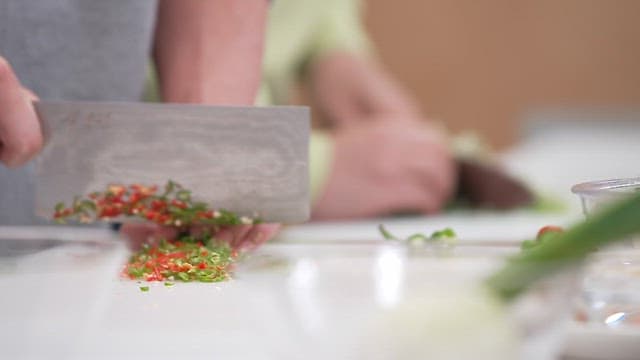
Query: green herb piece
x,y
144,288
446,233
185,259
59,207
445,236
88,205
168,189
76,201
168,284
184,195
135,272
174,207
417,238
386,234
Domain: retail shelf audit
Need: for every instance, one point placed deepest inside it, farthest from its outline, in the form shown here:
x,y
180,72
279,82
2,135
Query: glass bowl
x,y
597,194
610,293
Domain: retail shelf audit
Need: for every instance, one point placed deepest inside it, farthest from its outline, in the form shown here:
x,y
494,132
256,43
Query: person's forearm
x,y
210,51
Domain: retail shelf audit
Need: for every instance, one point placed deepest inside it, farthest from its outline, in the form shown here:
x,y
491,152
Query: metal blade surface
x,y
250,160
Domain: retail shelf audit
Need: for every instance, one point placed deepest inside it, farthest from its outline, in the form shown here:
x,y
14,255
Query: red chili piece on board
x,y
549,228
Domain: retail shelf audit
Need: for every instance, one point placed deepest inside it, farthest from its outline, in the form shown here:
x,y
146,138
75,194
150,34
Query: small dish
x,y
606,325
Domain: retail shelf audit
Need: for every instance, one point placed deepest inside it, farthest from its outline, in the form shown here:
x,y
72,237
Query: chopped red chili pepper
x,y
191,261
189,258
173,207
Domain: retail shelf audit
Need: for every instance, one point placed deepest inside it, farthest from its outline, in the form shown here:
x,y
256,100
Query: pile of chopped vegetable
x,y
181,261
187,258
173,206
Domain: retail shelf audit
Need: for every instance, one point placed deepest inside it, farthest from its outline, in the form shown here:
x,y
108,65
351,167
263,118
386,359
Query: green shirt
x,y
299,32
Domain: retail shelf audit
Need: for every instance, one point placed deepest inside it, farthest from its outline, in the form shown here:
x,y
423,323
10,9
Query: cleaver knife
x,y
249,160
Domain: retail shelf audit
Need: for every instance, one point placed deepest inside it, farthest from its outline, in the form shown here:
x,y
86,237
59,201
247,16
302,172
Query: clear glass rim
x,y
605,187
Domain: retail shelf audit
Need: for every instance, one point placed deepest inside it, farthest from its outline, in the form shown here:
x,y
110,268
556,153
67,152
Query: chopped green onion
x,y
184,195
443,234
446,236
59,207
417,238
386,234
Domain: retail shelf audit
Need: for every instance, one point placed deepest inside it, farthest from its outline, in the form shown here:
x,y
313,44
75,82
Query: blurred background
x,y
489,65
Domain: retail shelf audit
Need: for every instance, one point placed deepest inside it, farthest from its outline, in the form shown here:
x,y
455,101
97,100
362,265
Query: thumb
x,y
20,133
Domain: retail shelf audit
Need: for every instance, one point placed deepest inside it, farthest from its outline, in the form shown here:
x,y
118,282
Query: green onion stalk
x,y
613,224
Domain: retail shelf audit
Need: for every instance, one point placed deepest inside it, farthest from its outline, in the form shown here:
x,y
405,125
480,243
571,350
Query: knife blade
x,y
249,160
